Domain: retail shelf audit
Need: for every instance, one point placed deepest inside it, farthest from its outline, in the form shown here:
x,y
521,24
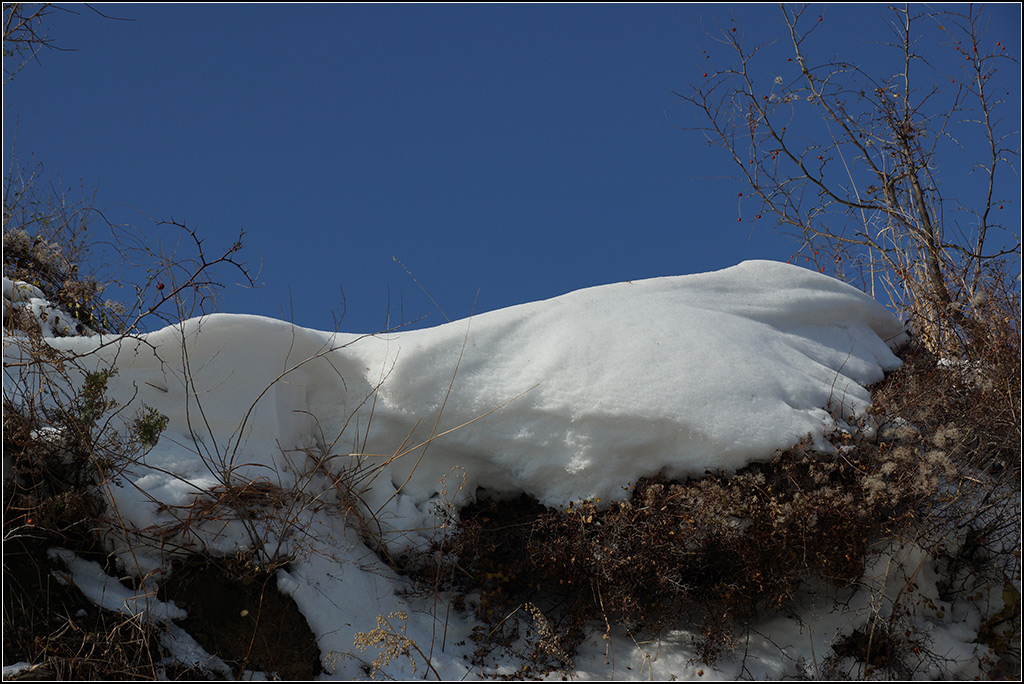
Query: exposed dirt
x,y
238,613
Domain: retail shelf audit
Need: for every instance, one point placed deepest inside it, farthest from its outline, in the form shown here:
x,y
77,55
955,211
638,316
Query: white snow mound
x,y
575,396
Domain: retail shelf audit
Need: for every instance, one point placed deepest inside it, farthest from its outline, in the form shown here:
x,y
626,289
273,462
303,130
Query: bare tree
x,y
849,160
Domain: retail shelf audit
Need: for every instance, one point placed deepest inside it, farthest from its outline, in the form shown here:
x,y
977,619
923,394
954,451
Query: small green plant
x,y
94,402
148,425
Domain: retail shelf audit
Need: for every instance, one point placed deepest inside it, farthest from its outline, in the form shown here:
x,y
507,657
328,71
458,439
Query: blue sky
x,y
502,153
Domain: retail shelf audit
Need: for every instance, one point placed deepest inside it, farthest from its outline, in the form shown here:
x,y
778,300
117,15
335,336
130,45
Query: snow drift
x,y
564,399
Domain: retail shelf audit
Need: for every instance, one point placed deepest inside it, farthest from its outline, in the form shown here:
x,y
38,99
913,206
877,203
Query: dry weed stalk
x,y
393,644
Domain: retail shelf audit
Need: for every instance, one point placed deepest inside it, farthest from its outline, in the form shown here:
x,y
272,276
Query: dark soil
x,y
240,615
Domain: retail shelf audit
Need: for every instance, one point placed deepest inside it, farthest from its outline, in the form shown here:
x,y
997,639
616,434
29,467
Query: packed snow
x,y
570,398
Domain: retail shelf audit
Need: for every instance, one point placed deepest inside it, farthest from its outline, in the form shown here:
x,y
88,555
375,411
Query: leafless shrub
x,y
863,192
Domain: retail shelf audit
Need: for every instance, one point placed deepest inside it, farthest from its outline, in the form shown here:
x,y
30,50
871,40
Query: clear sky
x,y
503,153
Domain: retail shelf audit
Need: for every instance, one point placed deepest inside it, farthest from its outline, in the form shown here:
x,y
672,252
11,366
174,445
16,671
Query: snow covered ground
x,y
564,399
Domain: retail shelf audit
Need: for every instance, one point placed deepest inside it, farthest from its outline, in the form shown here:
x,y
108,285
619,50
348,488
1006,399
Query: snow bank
x,y
569,398
677,375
